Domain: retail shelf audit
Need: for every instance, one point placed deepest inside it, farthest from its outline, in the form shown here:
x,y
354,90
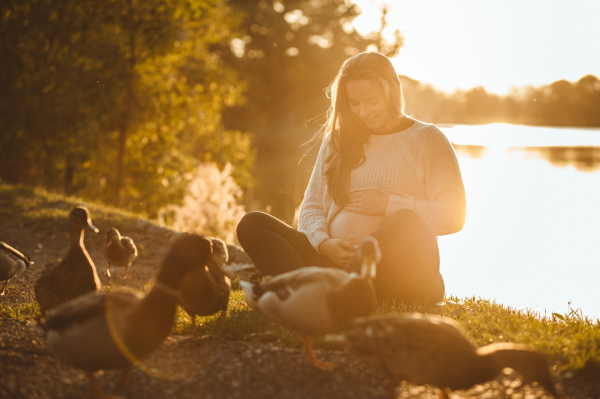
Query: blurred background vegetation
x,y
123,101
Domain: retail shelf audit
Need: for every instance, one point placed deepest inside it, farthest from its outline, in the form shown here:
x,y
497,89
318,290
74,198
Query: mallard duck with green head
x,y
432,350
205,291
112,330
12,262
73,275
315,301
118,251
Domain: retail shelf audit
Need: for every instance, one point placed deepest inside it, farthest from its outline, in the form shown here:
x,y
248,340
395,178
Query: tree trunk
x,y
125,122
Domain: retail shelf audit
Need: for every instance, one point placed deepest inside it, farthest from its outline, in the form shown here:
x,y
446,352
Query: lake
x,y
532,235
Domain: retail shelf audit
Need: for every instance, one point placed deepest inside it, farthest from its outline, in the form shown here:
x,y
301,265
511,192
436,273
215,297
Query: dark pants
x,y
409,269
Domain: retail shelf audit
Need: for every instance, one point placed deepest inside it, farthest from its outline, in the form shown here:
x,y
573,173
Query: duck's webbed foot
x,y
125,276
308,348
96,388
220,319
124,378
193,332
445,393
4,287
392,383
107,271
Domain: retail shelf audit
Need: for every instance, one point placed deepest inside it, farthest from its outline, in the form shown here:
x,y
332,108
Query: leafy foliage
x,y
561,103
210,206
116,101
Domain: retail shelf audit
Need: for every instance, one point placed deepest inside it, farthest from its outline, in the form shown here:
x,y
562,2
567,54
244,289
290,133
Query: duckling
x,y
205,291
12,262
431,349
75,274
118,251
315,300
113,330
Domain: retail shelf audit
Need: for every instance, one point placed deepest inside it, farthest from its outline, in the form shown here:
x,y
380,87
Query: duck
x,y
12,262
315,301
205,291
73,275
118,251
424,349
115,330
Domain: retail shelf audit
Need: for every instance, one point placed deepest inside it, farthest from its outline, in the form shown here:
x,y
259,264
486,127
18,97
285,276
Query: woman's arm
x,y
312,220
445,206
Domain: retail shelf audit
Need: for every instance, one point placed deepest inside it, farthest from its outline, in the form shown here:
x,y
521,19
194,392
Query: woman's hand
x,y
367,201
338,250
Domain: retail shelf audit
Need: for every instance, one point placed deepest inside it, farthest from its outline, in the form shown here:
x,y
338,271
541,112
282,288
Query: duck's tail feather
x,y
249,293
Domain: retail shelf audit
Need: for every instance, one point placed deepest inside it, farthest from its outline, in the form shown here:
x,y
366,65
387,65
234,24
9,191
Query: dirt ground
x,y
201,367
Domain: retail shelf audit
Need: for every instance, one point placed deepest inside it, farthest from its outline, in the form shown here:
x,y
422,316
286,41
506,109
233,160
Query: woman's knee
x,y
410,225
248,225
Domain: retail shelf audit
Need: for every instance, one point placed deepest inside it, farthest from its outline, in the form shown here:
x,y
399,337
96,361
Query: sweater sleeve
x,y
445,207
312,220
445,203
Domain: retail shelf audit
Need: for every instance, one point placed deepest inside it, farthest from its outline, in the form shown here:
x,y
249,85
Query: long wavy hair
x,y
348,132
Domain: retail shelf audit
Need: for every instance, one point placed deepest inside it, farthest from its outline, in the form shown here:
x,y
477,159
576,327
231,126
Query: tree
x,y
118,100
288,53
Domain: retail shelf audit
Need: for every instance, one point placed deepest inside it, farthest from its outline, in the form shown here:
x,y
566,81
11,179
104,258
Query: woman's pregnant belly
x,y
353,226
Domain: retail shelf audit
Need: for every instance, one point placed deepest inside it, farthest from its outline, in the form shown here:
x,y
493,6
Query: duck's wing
x,y
204,292
77,310
129,246
416,348
83,308
304,276
4,246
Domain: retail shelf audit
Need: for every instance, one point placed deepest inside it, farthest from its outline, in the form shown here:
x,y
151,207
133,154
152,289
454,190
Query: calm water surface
x,y
532,235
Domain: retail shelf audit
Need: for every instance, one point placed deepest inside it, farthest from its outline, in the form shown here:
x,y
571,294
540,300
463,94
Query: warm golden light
x,y
464,44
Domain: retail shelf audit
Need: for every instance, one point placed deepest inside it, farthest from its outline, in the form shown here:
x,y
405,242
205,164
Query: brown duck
x,y
118,251
12,262
75,274
432,350
205,291
112,330
314,300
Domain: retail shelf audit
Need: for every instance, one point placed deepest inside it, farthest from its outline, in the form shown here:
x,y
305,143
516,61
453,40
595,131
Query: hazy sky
x,y
496,44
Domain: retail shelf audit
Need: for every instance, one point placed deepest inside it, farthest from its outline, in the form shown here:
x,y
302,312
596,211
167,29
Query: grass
x,y
21,311
571,340
40,209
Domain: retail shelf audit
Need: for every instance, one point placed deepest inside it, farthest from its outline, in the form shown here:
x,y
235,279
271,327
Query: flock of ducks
x,y
93,330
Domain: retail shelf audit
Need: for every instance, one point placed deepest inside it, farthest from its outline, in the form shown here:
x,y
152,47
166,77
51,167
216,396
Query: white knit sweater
x,y
417,167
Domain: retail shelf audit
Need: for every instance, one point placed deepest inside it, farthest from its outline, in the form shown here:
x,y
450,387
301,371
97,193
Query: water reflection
x,y
472,151
583,158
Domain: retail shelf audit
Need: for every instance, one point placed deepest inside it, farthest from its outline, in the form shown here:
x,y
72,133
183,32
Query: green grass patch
x,y
42,209
23,311
241,323
570,341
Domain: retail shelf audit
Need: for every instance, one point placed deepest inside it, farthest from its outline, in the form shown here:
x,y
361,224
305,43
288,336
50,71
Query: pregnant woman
x,y
378,173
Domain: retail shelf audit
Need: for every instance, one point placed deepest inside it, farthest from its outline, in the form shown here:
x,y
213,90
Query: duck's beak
x,y
373,270
368,270
92,227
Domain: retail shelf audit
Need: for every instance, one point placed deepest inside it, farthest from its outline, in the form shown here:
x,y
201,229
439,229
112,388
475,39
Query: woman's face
x,y
366,98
